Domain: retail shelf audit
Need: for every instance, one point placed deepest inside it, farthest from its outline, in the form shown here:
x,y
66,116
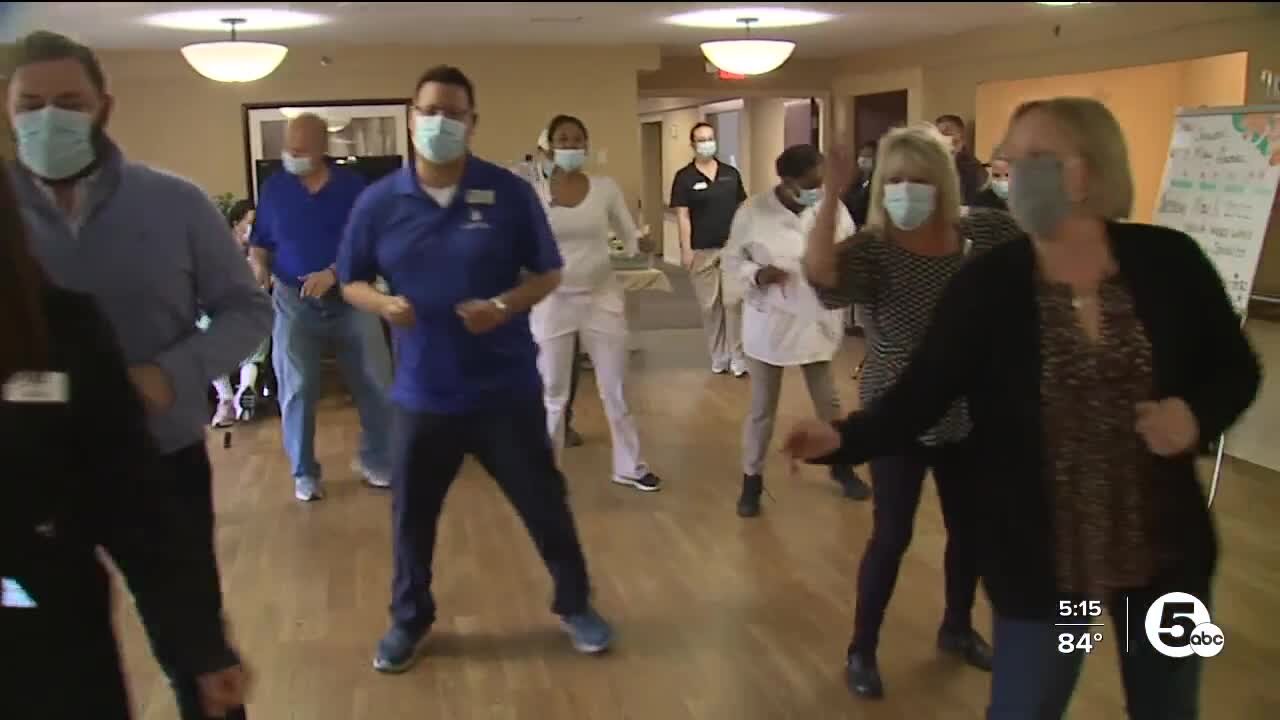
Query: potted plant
x,y
224,202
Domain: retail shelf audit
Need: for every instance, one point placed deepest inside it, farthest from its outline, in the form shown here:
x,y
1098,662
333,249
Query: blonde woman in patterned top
x,y
1098,357
896,269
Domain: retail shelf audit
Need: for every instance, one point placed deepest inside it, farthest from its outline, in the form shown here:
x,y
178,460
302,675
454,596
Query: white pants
x,y
608,353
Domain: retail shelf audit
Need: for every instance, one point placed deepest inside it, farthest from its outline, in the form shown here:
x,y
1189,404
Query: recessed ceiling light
x,y
763,17
254,19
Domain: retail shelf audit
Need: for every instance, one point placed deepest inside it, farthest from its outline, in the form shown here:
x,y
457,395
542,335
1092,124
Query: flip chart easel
x,y
1219,187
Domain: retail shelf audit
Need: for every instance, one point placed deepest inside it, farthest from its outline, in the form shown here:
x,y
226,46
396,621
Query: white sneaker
x,y
719,368
375,479
739,368
224,416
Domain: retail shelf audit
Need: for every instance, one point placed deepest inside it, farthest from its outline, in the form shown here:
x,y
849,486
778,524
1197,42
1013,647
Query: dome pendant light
x,y
234,61
748,56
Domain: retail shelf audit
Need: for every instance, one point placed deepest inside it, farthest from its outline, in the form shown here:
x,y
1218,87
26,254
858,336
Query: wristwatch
x,y
501,304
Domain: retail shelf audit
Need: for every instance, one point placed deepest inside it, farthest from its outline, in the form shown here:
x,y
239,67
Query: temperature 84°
x,y
1082,642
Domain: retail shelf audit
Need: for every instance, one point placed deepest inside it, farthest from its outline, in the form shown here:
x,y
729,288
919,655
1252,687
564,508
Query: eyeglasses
x,y
459,115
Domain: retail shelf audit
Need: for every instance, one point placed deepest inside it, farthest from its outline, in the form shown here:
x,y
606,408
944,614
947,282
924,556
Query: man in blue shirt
x,y
467,251
301,213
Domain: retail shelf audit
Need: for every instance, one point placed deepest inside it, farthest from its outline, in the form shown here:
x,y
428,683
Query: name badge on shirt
x,y
480,197
700,185
37,388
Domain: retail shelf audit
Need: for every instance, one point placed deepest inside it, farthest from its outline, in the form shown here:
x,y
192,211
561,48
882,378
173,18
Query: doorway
x,y
652,208
802,122
876,114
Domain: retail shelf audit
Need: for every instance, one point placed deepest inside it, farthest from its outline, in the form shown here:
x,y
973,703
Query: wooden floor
x,y
717,618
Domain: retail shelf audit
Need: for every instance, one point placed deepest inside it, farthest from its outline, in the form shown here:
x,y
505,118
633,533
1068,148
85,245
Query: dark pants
x,y
1032,680
512,445
191,481
896,485
573,381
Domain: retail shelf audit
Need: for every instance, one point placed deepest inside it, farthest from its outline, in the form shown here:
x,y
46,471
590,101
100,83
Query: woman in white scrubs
x,y
783,322
582,209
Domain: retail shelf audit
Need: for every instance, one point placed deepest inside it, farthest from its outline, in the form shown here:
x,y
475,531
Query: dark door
x,y
876,114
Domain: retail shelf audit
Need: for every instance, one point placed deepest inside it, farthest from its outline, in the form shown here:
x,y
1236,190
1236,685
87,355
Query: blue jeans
x,y
304,328
1032,680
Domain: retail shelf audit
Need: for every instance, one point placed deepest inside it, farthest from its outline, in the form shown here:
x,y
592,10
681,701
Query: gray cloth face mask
x,y
1037,194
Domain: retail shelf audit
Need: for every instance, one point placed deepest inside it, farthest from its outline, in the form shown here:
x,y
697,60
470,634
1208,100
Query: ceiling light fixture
x,y
764,17
234,61
748,56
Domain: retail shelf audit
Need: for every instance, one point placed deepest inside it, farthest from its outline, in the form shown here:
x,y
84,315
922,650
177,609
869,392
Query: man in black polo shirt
x,y
705,194
973,177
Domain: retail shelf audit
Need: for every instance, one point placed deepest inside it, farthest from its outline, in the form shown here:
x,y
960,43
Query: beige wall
x,y
763,141
1143,99
688,77
169,116
676,152
911,79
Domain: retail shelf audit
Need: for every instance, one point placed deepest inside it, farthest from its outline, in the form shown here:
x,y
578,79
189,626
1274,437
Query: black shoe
x,y
571,438
648,483
399,649
863,677
968,646
749,501
853,486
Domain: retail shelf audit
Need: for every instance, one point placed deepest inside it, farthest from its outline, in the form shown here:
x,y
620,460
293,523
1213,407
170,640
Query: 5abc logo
x,y
1178,626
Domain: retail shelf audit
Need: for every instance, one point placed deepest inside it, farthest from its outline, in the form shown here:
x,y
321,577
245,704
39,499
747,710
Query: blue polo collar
x,y
406,182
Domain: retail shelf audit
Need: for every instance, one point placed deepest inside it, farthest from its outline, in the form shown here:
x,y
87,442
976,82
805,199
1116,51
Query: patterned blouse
x,y
898,290
1100,476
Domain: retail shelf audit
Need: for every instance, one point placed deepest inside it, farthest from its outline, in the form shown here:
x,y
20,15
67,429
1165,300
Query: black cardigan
x,y
79,476
984,344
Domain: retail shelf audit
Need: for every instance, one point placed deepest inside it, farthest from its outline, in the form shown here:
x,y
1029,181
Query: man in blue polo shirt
x,y
301,214
467,251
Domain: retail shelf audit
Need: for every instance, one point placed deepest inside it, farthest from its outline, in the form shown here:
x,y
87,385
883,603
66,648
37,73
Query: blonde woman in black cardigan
x,y
1097,357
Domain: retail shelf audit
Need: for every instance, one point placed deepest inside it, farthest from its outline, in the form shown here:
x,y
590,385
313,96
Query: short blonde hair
x,y
1098,138
927,152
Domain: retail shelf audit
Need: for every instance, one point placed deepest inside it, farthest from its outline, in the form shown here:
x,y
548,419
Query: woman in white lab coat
x,y
783,323
582,209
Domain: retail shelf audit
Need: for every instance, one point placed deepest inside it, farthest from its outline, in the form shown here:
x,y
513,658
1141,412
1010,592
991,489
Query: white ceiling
x,y
856,26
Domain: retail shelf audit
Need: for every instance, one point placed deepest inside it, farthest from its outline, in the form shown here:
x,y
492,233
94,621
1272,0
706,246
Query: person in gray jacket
x,y
149,248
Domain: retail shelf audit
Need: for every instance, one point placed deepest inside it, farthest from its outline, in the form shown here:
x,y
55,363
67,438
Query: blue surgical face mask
x,y
571,159
295,164
54,143
808,197
1001,188
705,149
909,205
440,139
